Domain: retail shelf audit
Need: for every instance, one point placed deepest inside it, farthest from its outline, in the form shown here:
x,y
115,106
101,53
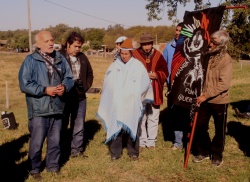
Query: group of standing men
x,y
142,128
55,84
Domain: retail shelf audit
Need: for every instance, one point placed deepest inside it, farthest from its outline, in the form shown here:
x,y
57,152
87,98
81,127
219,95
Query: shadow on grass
x,y
167,126
241,105
9,156
91,127
241,134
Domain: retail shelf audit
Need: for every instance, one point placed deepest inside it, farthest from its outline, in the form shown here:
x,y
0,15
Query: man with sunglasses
x,y
213,101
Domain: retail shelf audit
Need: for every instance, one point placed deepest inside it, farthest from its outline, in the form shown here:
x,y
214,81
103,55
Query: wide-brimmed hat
x,y
145,38
127,45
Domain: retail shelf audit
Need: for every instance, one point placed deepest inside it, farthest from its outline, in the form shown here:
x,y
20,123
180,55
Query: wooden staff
x,y
235,7
193,124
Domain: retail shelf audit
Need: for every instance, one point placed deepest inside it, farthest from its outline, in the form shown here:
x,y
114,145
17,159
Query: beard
x,y
215,50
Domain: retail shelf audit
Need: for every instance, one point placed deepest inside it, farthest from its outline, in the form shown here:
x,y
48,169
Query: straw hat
x,y
145,38
127,45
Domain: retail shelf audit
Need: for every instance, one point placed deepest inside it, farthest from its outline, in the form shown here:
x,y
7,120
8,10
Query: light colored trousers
x,y
149,126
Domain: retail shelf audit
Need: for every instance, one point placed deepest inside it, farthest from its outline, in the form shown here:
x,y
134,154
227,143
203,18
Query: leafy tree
x,y
109,41
112,33
157,7
116,30
238,25
85,48
95,37
95,44
59,32
95,34
239,29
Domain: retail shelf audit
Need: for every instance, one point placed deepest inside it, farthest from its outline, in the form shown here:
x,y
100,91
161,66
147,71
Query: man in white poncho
x,y
126,89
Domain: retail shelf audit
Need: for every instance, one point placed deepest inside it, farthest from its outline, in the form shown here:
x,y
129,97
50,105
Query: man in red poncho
x,y
158,73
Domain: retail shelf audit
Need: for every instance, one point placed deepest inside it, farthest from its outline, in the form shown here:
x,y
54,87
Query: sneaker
x,y
134,158
200,158
176,148
115,158
37,176
242,114
217,162
245,115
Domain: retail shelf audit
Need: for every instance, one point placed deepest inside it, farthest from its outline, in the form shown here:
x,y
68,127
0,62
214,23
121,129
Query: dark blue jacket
x,y
33,78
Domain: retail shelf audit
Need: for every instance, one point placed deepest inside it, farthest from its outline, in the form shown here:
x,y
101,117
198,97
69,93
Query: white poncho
x,y
126,89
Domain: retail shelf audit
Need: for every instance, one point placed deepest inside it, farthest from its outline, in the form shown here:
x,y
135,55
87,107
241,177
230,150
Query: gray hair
x,y
223,37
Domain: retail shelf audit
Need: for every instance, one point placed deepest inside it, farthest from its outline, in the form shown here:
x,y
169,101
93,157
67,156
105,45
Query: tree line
x,y
96,37
236,22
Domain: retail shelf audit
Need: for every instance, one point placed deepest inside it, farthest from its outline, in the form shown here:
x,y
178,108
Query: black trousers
x,y
202,143
116,145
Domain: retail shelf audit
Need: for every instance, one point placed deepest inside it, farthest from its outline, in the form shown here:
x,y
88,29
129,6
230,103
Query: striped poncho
x,y
126,89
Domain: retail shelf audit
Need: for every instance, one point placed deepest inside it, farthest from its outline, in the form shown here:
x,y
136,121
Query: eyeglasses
x,y
214,42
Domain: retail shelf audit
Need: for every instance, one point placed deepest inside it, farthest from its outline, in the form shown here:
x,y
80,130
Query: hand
x,y
200,99
51,91
152,75
60,89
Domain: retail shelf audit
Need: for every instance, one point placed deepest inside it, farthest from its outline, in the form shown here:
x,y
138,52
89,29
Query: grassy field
x,y
158,165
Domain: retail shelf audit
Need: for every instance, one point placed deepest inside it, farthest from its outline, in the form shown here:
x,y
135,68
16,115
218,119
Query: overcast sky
x,y
79,13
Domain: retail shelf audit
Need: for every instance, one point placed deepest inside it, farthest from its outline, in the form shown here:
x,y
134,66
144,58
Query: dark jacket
x,y
86,75
33,78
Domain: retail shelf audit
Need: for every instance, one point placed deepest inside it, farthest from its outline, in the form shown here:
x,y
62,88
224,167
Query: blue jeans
x,y
178,139
77,112
40,128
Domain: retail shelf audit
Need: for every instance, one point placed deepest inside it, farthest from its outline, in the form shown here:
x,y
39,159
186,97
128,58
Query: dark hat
x,y
145,38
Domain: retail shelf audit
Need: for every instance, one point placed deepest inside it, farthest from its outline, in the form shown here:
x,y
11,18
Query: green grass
x,y
157,165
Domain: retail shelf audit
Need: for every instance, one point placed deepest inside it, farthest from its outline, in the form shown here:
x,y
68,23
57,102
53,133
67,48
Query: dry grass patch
x,y
159,165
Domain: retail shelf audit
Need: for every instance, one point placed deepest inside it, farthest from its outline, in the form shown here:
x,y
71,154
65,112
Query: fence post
x,y
7,94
